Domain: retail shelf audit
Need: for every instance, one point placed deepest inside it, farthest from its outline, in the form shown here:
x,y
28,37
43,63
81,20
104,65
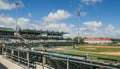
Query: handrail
x,y
54,56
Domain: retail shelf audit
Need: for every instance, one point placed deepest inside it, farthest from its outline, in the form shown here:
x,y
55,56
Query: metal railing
x,y
52,60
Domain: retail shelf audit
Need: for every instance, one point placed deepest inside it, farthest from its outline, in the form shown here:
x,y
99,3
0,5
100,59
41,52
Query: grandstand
x,y
5,32
46,38
40,34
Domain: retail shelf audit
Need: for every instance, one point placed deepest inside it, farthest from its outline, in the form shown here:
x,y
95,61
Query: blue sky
x,y
97,16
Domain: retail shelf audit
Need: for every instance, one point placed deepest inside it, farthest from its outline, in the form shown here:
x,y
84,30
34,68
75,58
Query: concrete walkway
x,y
6,64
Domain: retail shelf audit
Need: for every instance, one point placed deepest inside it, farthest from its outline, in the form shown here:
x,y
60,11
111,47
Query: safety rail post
x,y
12,52
43,61
18,56
2,50
67,63
28,60
6,51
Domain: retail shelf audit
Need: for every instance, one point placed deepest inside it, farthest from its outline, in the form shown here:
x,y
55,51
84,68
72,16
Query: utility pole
x,y
78,25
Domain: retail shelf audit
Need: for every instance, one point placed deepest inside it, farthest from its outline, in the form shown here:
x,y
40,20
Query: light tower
x,y
78,25
16,4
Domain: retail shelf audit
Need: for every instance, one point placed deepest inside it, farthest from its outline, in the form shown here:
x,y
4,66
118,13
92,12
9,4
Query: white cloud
x,y
24,23
58,27
93,24
23,20
111,31
92,29
88,2
53,22
5,5
29,15
110,28
83,13
7,21
56,16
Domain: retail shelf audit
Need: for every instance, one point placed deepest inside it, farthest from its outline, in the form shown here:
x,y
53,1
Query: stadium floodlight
x,y
78,25
16,4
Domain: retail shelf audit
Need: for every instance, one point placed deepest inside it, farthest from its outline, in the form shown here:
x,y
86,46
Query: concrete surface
x,y
6,64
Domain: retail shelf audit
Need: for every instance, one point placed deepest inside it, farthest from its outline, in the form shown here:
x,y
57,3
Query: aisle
x,y
5,64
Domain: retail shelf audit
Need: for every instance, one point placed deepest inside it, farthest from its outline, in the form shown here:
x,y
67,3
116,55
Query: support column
x,y
67,63
5,51
43,61
28,60
18,56
12,52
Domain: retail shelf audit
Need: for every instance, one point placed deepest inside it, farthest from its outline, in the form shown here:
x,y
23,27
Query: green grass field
x,y
110,52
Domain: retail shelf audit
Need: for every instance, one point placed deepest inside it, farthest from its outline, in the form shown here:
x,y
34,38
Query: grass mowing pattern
x,y
81,50
97,49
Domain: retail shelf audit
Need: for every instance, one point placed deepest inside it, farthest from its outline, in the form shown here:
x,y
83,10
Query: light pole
x,y
16,4
78,25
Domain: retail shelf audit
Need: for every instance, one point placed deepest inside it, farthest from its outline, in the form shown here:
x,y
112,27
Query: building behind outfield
x,y
97,40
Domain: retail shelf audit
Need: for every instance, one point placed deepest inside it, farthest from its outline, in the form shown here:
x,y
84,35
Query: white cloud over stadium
x,y
5,5
88,2
90,29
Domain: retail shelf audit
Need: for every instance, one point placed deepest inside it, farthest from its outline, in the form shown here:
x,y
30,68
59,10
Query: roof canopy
x,y
41,31
6,29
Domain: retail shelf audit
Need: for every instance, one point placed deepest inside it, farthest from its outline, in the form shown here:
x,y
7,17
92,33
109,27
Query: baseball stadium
x,y
61,39
51,50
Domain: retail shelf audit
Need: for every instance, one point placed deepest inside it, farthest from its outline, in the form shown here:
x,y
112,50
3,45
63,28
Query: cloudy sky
x,y
98,18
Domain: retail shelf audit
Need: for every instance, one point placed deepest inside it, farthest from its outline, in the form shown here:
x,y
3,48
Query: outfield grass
x,y
91,50
91,56
98,49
